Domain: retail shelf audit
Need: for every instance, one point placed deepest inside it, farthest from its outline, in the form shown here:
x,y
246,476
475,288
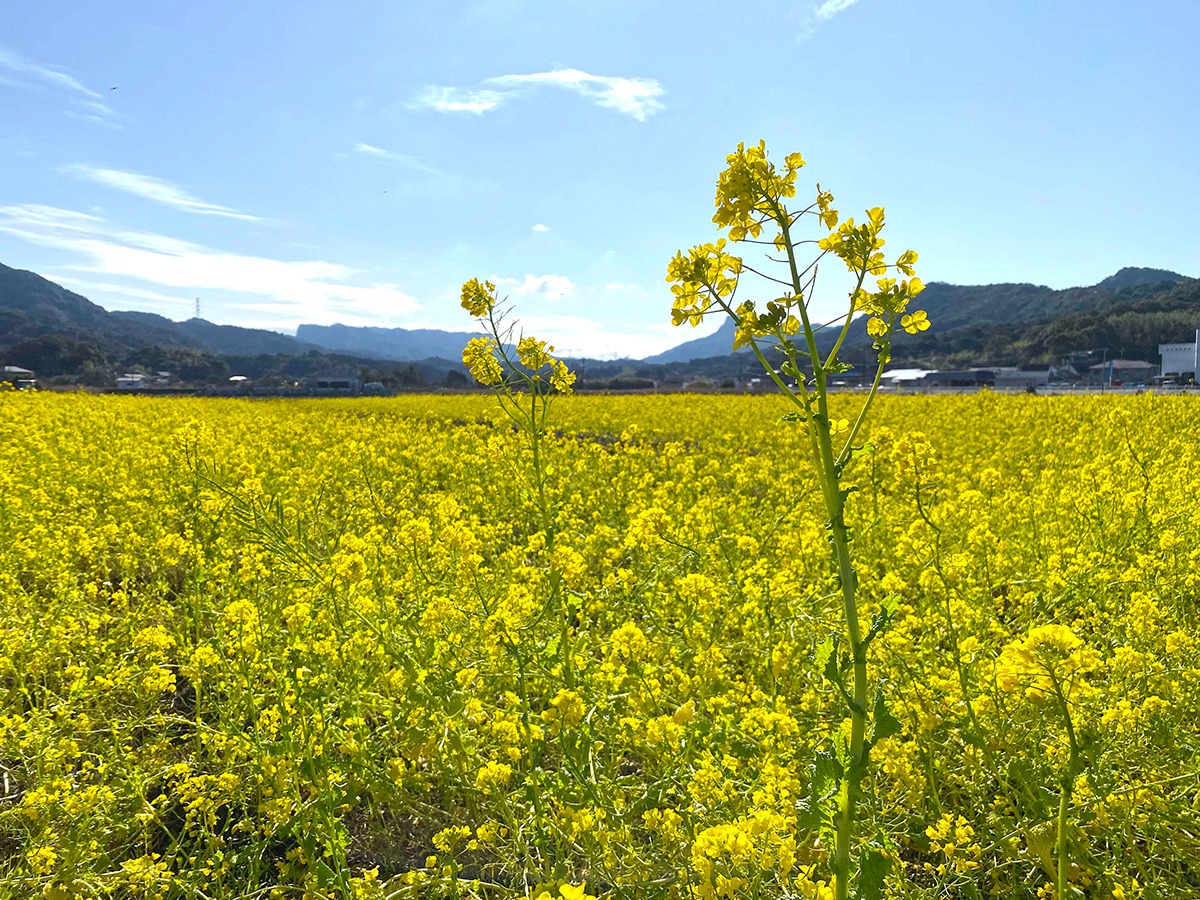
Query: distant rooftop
x,y
1123,364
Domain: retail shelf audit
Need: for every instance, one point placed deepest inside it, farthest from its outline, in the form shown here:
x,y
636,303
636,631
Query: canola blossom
x,y
313,648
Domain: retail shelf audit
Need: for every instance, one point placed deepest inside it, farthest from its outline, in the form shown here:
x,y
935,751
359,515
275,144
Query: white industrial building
x,y
1180,359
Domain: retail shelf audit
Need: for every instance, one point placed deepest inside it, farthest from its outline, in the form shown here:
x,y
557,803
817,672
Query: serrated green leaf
x,y
833,669
873,869
808,815
825,651
326,877
826,775
883,618
817,810
885,723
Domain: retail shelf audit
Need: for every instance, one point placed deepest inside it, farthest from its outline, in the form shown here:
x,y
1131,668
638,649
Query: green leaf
x,y
826,775
793,417
873,869
326,877
819,807
860,450
883,618
825,651
886,724
829,659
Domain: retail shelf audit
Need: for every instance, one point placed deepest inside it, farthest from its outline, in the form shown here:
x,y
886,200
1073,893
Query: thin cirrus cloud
x,y
86,104
156,190
634,97
123,289
819,14
291,291
452,100
831,8
403,158
551,287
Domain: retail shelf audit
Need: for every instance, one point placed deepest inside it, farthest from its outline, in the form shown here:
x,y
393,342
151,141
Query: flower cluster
x,y
750,188
1045,663
704,275
751,192
479,299
488,359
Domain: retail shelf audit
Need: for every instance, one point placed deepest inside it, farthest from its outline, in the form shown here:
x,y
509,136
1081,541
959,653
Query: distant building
x,y
335,385
1180,360
960,378
850,378
903,377
131,381
21,379
1022,376
1122,371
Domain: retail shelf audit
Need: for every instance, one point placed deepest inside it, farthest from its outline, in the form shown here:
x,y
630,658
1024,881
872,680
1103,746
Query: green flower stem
x,y
828,470
749,195
835,504
835,508
844,456
1061,847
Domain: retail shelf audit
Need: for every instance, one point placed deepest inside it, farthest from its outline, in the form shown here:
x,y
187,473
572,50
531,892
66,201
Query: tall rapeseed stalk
x,y
751,195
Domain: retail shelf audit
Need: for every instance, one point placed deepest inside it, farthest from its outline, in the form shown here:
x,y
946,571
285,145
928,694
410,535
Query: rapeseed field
x,y
335,648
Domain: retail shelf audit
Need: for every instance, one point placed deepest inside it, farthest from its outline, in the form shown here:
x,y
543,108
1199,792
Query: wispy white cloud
x,y
86,286
155,189
540,228
603,340
292,291
634,97
831,8
817,14
86,103
411,161
14,62
551,287
452,99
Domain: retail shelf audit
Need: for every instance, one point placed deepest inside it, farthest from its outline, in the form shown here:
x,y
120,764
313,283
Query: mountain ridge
x,y
33,307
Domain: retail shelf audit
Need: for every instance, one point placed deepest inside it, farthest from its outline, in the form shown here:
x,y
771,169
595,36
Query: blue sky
x,y
294,162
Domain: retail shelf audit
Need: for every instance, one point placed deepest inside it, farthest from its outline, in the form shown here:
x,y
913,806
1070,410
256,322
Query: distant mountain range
x,y
965,319
719,343
32,306
951,306
400,344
